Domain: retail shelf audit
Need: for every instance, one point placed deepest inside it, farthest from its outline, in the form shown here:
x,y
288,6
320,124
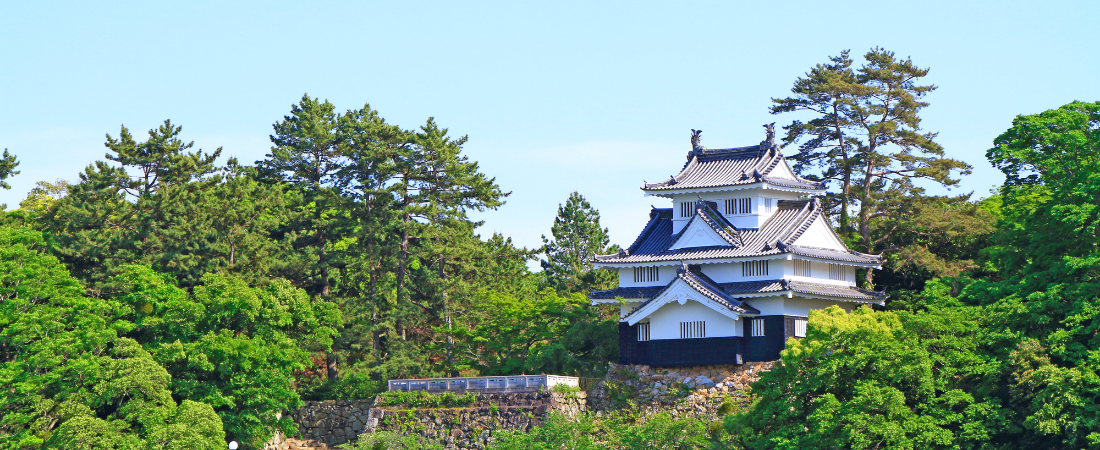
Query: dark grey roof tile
x,y
732,167
791,219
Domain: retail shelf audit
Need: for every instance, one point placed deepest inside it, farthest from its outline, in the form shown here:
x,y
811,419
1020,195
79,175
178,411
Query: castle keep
x,y
732,269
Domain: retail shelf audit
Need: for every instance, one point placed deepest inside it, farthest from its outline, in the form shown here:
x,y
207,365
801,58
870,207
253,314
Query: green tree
x,y
44,198
307,155
510,331
8,163
825,152
936,236
874,380
1005,361
67,379
859,118
229,345
577,239
178,212
1050,263
611,430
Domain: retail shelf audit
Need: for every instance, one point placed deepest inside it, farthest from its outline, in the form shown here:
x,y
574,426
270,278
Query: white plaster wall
x,y
782,171
626,308
722,272
698,234
730,272
819,235
796,306
665,322
820,272
768,306
799,306
753,220
665,274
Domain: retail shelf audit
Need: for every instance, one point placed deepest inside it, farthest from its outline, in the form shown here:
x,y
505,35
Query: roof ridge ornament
x,y
696,146
769,140
781,246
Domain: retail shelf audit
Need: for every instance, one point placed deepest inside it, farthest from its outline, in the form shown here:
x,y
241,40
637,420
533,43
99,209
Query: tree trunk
x,y
846,184
403,260
447,319
376,338
865,213
330,366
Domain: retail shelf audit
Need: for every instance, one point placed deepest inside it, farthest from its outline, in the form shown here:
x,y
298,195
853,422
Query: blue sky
x,y
591,96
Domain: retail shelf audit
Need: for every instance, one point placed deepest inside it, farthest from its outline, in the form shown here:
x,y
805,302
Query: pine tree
x,y
307,155
439,185
867,135
577,239
8,163
825,153
178,213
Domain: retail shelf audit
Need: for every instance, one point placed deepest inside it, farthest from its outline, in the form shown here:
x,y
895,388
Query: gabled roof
x,y
773,238
710,295
646,292
707,168
706,215
748,288
745,289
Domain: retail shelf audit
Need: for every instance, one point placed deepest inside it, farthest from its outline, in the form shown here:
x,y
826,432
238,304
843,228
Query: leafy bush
x,y
388,440
421,399
614,431
566,390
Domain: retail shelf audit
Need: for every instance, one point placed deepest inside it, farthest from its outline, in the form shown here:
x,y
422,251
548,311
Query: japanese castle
x,y
732,269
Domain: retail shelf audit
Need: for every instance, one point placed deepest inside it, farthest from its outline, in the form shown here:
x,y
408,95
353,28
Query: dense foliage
x,y
70,379
226,293
1005,360
577,240
166,300
864,134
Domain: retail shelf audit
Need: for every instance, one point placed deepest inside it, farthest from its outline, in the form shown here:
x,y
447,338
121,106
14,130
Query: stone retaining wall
x,y
682,391
326,424
698,390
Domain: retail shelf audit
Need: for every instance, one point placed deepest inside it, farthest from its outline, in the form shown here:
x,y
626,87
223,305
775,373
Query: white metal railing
x,y
518,382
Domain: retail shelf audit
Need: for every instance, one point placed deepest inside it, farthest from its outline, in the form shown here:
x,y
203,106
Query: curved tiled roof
x,y
708,168
700,283
849,292
646,292
791,219
712,290
801,287
727,293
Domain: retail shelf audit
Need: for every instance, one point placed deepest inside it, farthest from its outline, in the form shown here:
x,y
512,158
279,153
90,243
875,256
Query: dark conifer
x,y
866,134
577,239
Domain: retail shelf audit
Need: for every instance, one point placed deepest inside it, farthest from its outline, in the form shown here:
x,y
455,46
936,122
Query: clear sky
x,y
555,96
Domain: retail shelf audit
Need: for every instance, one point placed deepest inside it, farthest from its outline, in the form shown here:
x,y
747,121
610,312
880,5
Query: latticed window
x,y
693,330
799,327
754,268
756,327
643,332
802,268
836,272
768,205
738,206
645,274
686,209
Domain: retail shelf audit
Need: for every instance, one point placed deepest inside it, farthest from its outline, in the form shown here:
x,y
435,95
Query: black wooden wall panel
x,y
707,351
